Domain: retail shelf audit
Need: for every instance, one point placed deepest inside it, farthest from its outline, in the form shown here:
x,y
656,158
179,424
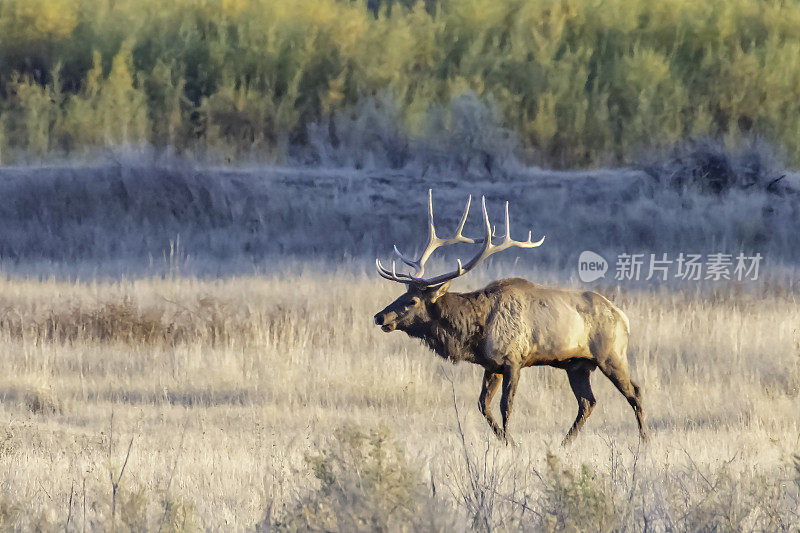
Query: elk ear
x,y
440,291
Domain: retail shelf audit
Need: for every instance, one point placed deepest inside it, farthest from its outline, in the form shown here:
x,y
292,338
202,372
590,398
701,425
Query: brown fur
x,y
511,324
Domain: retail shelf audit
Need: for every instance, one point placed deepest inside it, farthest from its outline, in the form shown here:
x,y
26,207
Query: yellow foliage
x,y
232,8
581,82
37,110
53,19
646,69
94,78
544,126
110,110
335,95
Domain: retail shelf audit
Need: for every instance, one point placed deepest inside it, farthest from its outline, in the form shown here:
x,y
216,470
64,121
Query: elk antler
x,y
435,242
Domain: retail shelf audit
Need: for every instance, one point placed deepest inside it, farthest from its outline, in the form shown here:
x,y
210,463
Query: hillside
x,y
136,217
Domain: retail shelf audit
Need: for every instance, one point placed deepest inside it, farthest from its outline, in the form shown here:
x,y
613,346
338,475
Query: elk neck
x,y
454,327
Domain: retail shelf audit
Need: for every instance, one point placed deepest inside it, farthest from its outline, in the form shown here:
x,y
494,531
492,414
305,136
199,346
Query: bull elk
x,y
511,324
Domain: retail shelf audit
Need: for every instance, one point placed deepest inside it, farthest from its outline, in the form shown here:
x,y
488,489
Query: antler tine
x,y
508,242
404,259
508,225
391,275
488,248
383,272
507,222
487,243
431,228
434,242
419,264
484,252
464,221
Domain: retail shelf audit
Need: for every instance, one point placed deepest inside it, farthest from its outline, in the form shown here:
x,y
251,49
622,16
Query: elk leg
x,y
579,380
510,380
620,377
491,382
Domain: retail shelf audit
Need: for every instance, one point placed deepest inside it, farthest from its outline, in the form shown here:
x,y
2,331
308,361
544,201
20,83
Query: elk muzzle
x,y
386,320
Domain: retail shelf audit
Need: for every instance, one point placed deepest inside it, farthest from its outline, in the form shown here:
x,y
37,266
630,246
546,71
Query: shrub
x,y
708,166
468,137
575,501
367,135
365,484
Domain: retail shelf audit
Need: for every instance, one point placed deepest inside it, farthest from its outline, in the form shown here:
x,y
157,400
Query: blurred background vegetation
x,y
559,83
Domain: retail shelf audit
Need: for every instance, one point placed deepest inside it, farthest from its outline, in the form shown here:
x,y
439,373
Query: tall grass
x,y
280,403
578,83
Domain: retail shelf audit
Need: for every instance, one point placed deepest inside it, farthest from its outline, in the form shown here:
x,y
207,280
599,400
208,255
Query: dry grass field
x,y
274,402
192,195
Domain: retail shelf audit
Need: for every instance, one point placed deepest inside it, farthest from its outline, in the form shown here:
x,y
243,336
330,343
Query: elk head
x,y
414,307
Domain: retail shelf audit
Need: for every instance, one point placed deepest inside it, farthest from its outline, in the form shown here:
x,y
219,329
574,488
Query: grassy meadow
x,y
272,401
193,195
